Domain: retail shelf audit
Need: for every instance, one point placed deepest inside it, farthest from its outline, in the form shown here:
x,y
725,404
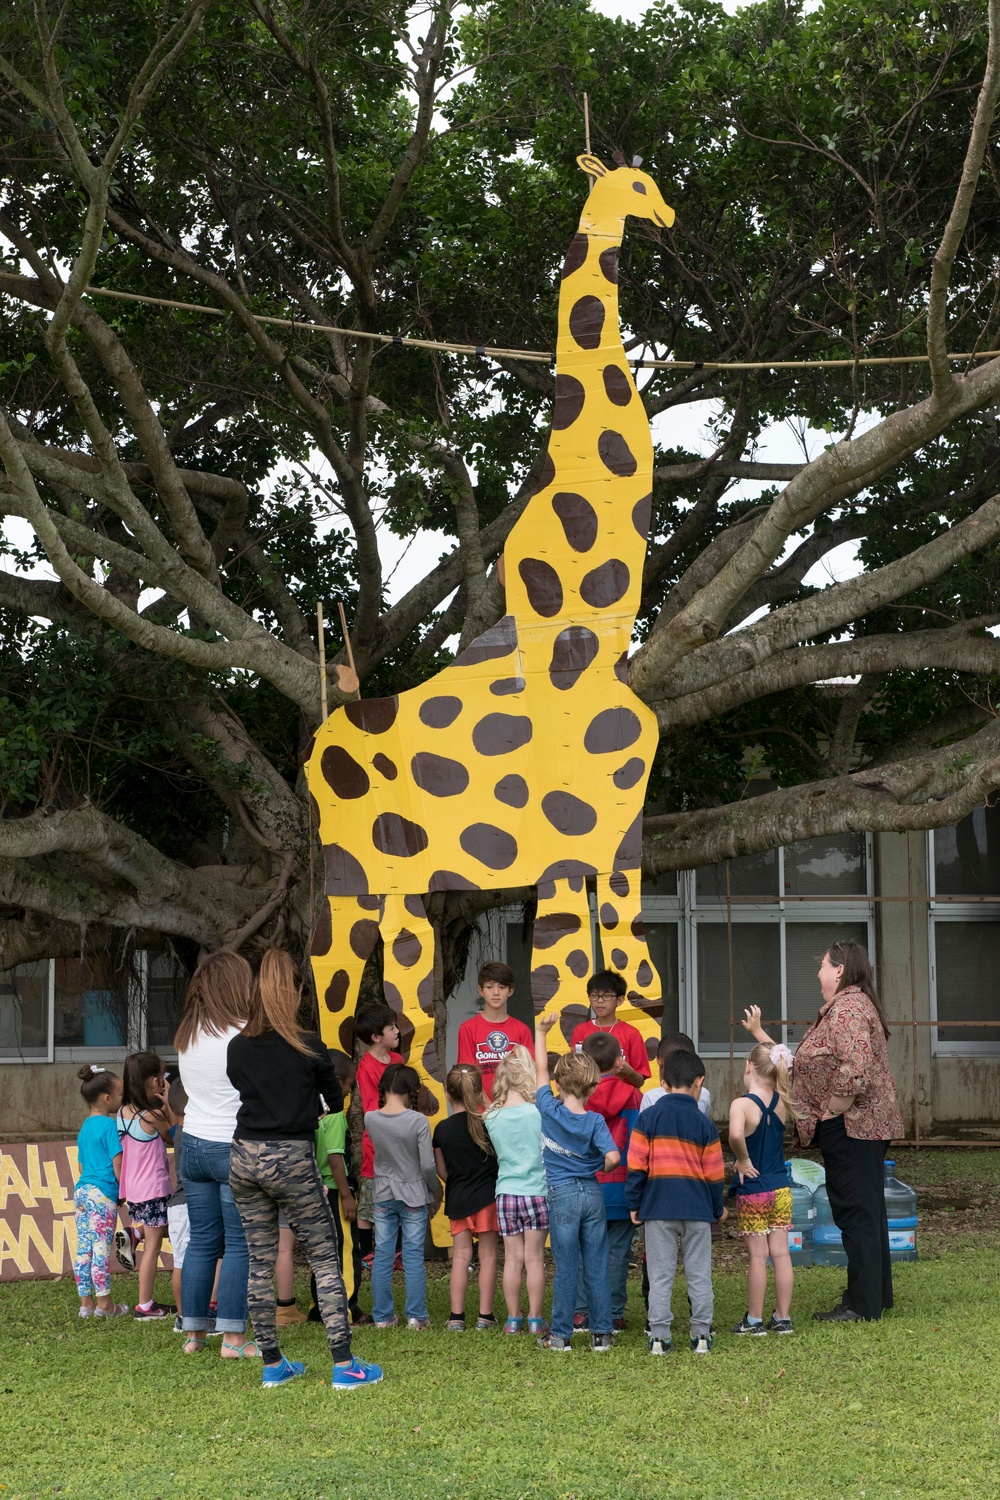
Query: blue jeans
x,y
579,1236
621,1233
390,1216
216,1232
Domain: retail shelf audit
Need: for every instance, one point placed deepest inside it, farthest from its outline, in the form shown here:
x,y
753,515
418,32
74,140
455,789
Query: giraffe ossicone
x,y
524,762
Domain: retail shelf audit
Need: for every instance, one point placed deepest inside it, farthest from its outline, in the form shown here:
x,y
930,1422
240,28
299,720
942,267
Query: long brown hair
x,y
464,1085
217,997
275,1000
858,972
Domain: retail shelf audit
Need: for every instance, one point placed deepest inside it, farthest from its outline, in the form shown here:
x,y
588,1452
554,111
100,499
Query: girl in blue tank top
x,y
760,1184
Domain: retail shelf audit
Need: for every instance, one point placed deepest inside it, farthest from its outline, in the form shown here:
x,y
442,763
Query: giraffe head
x,y
624,191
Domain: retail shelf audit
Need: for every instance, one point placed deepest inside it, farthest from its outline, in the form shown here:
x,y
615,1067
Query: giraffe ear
x,y
592,165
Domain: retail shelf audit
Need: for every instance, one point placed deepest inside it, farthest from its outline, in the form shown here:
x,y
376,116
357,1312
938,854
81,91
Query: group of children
x,y
512,1160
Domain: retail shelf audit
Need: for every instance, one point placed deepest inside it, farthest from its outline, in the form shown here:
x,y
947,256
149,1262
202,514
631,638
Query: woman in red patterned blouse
x,y
846,1100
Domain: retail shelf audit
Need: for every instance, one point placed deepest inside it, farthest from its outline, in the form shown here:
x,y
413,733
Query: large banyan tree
x,y
184,484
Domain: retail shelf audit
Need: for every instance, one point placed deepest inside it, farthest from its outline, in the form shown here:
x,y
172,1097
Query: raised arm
x,y
751,1023
542,1028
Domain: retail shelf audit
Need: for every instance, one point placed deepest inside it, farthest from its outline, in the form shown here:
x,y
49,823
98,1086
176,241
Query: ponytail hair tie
x,y
779,1053
97,1068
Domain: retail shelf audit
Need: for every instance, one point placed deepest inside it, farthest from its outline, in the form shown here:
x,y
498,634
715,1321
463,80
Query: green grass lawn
x,y
908,1407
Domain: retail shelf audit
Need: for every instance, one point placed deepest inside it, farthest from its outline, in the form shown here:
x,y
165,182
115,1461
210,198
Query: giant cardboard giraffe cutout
x,y
524,762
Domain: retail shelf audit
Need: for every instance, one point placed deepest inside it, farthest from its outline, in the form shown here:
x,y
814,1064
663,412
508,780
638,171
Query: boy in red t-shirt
x,y
618,1101
605,992
486,1039
376,1026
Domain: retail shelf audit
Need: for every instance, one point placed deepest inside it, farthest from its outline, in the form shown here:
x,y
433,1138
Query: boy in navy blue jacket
x,y
674,1187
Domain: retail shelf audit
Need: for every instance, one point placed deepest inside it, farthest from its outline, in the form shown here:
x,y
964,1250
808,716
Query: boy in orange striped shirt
x,y
674,1187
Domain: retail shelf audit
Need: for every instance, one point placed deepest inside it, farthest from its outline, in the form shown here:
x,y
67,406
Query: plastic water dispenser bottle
x,y
828,1244
800,1236
901,1208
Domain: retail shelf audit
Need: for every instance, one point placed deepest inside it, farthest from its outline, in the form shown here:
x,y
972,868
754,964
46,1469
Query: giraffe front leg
x,y
345,933
408,938
623,939
562,955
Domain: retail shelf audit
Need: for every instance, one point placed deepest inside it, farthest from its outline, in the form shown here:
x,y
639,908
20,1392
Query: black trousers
x,y
855,1182
353,1305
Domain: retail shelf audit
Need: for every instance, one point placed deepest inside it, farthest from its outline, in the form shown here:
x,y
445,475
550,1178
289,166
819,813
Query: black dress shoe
x,y
839,1314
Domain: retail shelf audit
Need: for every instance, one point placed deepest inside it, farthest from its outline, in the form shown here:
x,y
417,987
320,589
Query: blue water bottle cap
x,y
890,1163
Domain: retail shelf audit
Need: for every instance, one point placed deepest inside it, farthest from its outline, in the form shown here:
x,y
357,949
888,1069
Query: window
x,y
759,939
26,1013
964,906
91,1003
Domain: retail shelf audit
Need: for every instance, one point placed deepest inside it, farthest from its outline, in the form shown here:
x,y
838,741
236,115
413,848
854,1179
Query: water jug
x,y
800,1236
828,1245
901,1208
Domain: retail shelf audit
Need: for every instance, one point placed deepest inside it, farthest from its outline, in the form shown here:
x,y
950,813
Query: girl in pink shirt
x,y
143,1127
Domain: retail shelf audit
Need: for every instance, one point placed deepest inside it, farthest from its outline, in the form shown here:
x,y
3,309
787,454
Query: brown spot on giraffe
x,y
573,650
605,585
551,929
575,255
642,515
345,875
512,790
616,454
343,775
385,766
608,262
500,734
569,814
570,396
335,997
363,936
617,386
406,948
586,321
578,962
373,715
578,518
609,917
492,846
507,685
440,712
613,729
499,641
629,774
399,836
543,586
438,774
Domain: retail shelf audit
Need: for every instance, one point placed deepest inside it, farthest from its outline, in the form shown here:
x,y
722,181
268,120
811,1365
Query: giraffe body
x,y
525,761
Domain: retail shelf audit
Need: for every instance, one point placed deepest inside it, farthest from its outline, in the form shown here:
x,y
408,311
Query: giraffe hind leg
x,y
343,938
623,939
408,938
562,955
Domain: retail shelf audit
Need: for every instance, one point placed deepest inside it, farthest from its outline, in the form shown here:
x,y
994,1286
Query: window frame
x,y
50,1011
953,909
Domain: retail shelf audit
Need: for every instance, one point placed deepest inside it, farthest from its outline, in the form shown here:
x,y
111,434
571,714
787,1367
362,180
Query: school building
x,y
927,906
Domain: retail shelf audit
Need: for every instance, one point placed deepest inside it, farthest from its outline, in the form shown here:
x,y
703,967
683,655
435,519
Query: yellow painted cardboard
x,y
525,761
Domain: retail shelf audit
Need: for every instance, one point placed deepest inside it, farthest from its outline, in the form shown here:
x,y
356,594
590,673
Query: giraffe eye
x,y
639,187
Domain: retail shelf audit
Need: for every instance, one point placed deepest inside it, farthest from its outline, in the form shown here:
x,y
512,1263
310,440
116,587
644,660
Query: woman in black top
x,y
467,1165
280,1072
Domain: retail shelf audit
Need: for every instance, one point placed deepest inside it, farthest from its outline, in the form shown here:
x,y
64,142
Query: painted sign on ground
x,y
37,1218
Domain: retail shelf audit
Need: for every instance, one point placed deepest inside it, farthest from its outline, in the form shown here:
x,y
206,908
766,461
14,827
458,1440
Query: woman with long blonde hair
x,y
757,1123
515,1129
215,1011
280,1070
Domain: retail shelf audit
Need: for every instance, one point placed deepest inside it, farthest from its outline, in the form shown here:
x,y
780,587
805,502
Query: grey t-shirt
x,y
404,1159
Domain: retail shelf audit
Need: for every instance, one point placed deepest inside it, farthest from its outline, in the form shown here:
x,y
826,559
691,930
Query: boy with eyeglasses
x,y
605,992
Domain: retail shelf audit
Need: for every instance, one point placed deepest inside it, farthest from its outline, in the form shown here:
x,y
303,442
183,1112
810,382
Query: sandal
x,y
198,1342
248,1350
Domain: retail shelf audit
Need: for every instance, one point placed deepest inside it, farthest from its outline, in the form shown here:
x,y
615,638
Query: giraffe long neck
x,y
577,551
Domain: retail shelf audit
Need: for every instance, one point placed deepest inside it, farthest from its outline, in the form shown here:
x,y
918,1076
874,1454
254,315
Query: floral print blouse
x,y
844,1052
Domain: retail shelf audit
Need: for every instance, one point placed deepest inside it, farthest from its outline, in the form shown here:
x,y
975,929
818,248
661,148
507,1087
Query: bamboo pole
x,y
322,663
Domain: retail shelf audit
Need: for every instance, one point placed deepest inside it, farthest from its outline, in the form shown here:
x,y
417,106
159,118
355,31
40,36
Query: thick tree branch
x,y
932,790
